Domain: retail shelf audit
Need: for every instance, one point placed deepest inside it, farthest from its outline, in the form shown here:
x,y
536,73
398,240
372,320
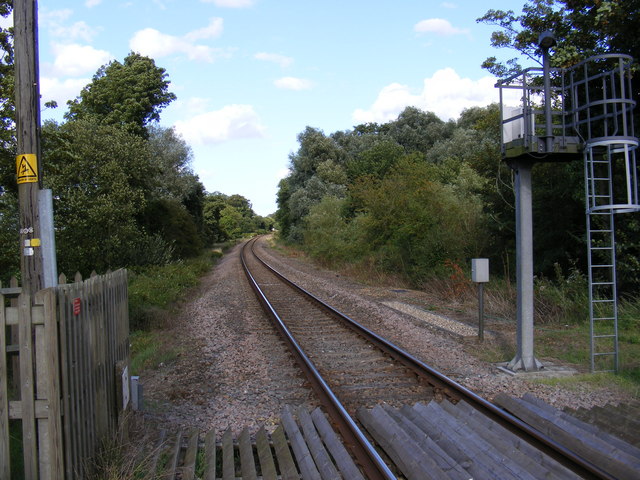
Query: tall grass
x,y
153,294
153,290
126,456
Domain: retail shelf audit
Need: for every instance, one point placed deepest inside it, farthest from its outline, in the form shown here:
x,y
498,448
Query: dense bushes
x,y
374,196
411,194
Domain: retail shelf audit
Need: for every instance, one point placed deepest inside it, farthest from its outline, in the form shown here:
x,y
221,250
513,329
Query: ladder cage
x,y
602,107
591,106
602,101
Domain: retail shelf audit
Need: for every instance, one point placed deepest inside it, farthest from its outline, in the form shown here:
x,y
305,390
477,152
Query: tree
x,y
315,148
129,95
376,160
171,173
7,104
413,223
9,237
230,222
99,176
214,203
582,28
283,213
417,131
169,219
171,158
327,235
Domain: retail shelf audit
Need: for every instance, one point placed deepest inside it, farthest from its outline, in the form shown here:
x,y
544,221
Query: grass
x,y
150,350
562,336
154,293
154,290
125,457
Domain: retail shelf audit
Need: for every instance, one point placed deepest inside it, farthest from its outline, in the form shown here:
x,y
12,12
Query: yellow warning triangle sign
x,y
27,168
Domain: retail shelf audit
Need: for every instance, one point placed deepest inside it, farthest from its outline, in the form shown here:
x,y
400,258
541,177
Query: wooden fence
x,y
72,364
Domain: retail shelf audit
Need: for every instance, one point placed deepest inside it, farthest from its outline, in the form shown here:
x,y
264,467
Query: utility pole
x,y
28,169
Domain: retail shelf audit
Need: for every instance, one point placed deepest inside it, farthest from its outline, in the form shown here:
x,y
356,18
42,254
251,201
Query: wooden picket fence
x,y
63,374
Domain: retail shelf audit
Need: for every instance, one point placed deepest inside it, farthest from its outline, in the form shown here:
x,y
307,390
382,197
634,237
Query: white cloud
x,y
92,3
281,60
446,94
194,105
213,30
156,44
229,123
230,3
55,22
49,17
293,83
439,26
73,60
448,5
61,91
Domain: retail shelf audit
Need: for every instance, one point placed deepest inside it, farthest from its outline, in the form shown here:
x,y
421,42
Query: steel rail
x,y
446,385
366,455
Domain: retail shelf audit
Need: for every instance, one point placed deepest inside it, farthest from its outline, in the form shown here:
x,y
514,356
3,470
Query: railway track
x,y
354,370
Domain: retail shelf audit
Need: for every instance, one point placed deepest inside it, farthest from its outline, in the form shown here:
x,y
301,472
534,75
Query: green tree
x,y
172,158
9,237
7,104
231,222
227,217
318,163
129,95
169,219
413,223
418,131
99,176
327,234
582,28
283,213
376,160
315,148
171,173
214,203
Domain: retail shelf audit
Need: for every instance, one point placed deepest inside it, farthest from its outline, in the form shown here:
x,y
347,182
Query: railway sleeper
x,y
429,440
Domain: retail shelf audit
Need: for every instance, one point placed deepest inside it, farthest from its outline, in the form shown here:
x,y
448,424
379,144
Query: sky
x,y
250,75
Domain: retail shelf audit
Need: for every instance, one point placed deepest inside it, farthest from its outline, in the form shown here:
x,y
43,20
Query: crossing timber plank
x,y
267,465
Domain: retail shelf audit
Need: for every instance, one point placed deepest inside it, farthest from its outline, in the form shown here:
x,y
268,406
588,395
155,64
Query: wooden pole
x,y
28,168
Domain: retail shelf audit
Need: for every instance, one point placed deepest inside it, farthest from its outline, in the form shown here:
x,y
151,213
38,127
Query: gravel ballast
x,y
233,370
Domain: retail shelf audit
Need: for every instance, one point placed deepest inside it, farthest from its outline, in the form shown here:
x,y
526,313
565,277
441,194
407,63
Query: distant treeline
x,y
417,195
124,192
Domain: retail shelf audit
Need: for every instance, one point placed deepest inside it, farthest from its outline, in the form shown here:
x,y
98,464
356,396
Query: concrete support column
x,y
524,359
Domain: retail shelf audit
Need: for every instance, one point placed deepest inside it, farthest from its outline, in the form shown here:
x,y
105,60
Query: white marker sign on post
x,y
480,275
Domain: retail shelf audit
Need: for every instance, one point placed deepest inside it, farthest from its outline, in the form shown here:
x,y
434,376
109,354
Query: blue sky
x,y
250,75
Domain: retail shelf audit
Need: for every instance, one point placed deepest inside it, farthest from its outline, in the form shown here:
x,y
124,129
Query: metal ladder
x,y
603,299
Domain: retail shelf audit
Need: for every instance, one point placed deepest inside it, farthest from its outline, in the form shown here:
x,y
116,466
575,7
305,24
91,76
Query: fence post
x,y
49,386
27,399
5,467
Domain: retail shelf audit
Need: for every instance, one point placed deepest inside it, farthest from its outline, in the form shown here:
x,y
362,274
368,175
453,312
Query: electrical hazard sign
x,y
27,168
